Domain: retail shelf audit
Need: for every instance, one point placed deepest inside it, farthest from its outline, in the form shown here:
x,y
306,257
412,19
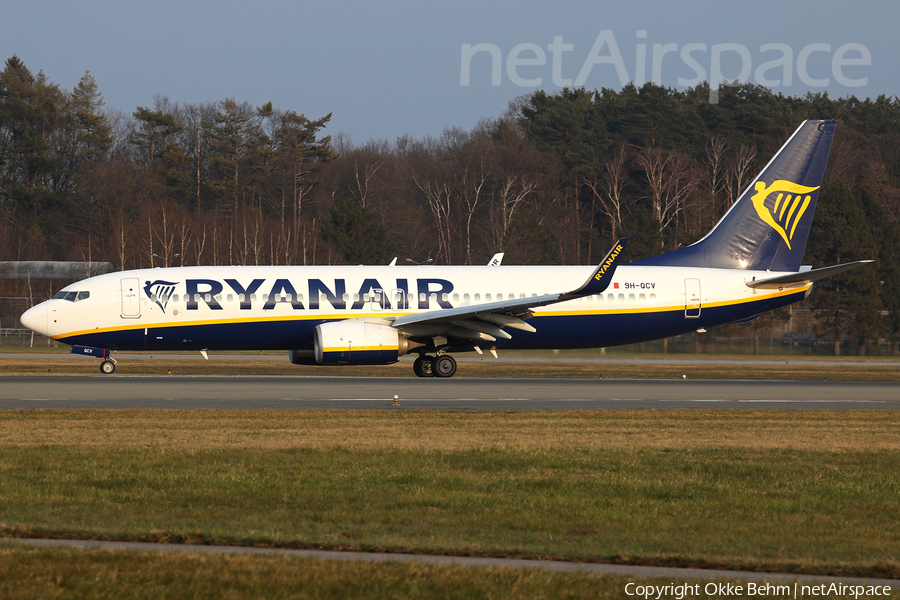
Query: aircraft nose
x,y
35,319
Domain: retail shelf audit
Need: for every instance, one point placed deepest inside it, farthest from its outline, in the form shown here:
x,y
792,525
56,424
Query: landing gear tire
x,y
107,367
423,367
444,366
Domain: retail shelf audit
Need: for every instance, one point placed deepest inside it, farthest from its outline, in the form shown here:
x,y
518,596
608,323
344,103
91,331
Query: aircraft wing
x,y
485,322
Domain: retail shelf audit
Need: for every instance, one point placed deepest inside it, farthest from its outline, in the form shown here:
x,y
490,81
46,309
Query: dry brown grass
x,y
177,365
450,431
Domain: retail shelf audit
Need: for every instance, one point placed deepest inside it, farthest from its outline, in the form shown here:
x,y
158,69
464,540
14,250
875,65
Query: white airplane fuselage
x,y
278,308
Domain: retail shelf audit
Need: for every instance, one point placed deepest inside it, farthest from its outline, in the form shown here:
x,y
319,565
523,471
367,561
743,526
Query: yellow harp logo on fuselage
x,y
788,203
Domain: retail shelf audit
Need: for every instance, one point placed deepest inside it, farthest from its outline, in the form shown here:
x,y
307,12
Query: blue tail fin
x,y
768,225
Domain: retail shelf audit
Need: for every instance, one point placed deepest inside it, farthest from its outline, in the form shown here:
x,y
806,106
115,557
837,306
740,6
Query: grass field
x,y
806,492
796,491
102,575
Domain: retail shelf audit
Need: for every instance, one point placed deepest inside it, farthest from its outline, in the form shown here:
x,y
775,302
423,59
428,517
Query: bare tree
x,y
671,180
507,201
715,167
361,193
740,171
610,189
440,200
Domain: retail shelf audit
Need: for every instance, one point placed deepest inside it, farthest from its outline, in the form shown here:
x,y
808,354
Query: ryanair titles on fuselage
x,y
284,291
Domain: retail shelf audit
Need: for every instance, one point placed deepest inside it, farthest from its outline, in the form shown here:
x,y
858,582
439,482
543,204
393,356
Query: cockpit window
x,y
72,296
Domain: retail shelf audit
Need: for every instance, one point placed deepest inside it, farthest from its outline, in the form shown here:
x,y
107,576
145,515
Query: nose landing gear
x,y
107,367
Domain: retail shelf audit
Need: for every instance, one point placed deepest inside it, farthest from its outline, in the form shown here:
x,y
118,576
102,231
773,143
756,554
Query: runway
x,y
459,393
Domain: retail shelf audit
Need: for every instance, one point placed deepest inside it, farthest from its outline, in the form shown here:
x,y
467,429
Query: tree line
x,y
553,180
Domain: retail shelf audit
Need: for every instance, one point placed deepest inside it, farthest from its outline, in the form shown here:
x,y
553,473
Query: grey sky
x,y
389,69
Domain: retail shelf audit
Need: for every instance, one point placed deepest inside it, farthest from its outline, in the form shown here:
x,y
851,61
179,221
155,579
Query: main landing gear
x,y
435,366
108,367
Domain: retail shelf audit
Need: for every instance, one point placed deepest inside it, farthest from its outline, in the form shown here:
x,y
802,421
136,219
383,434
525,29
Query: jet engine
x,y
359,343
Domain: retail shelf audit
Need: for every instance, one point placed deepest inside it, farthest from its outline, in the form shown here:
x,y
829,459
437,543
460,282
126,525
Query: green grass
x,y
795,511
99,575
806,493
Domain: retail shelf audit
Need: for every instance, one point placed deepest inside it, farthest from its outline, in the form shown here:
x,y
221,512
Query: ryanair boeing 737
x,y
748,264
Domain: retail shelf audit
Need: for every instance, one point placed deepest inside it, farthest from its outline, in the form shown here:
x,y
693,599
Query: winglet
x,y
602,276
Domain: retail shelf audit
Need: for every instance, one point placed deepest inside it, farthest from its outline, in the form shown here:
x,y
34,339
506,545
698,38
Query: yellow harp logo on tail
x,y
781,205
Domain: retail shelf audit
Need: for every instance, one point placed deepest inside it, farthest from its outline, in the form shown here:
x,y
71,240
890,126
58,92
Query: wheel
x,y
444,366
422,367
107,367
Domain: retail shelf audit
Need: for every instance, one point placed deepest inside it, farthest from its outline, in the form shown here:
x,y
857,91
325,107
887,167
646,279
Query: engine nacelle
x,y
302,357
359,343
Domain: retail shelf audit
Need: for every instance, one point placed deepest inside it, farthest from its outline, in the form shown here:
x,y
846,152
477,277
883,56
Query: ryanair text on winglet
x,y
609,261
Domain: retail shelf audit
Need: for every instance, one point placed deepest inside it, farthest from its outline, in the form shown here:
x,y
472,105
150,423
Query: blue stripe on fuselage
x,y
553,331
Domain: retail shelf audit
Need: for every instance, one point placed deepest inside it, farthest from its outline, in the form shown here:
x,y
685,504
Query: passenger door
x,y
131,300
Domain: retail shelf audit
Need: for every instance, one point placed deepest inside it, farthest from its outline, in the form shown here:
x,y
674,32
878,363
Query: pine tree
x,y
358,235
29,123
91,131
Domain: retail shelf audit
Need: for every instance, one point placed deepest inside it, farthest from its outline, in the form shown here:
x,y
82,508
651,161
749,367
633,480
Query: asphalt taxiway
x,y
459,393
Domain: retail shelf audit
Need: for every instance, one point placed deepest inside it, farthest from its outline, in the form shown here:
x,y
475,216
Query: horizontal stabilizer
x,y
805,276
